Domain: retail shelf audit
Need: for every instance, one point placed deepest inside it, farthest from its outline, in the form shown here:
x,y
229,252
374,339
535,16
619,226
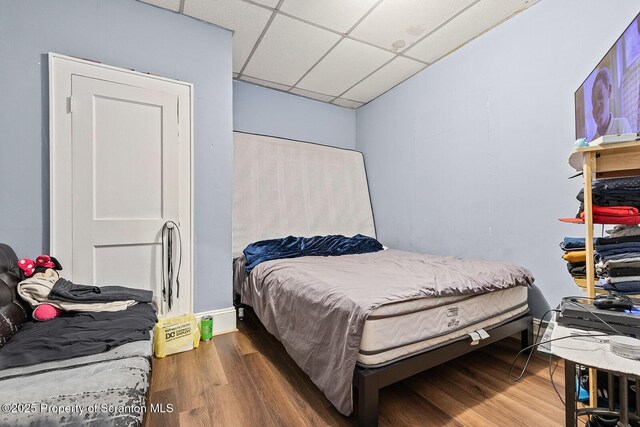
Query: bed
x,y
357,322
42,383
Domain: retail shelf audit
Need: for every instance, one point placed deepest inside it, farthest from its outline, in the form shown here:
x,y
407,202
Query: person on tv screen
x,y
606,124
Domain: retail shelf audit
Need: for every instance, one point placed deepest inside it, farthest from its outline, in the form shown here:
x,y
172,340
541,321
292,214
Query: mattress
x,y
318,306
396,331
108,393
399,330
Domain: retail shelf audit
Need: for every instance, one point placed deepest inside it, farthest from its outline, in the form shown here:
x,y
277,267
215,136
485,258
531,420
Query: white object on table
x,y
591,351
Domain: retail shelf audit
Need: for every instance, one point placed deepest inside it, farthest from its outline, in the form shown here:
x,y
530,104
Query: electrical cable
x,y
536,343
535,340
179,261
170,264
162,258
551,372
545,342
167,282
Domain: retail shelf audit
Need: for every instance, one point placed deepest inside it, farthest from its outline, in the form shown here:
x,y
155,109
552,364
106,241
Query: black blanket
x,y
76,335
64,290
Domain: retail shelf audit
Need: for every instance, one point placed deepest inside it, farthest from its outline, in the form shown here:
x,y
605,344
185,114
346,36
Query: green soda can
x,y
206,328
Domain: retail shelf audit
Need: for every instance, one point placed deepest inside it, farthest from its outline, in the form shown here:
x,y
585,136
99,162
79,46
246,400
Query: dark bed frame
x,y
367,381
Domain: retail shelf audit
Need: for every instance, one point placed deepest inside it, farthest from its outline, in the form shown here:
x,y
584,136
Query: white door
x,y
126,172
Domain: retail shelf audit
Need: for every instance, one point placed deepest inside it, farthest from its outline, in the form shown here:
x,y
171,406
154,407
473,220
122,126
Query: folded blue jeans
x,y
572,243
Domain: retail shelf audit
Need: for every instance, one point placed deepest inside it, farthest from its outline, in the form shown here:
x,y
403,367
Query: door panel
x,y
137,264
125,181
120,167
135,130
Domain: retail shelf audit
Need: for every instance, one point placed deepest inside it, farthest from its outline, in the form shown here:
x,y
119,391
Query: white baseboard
x,y
542,327
536,328
224,320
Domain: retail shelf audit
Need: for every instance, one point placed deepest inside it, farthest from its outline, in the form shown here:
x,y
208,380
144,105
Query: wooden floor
x,y
245,378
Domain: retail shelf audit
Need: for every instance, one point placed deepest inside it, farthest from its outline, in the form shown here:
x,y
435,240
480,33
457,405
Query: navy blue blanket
x,y
294,247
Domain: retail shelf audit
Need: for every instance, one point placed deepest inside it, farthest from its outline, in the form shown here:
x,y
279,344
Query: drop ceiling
x,y
346,52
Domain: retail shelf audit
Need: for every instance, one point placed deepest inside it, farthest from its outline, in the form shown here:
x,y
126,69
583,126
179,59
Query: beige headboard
x,y
283,187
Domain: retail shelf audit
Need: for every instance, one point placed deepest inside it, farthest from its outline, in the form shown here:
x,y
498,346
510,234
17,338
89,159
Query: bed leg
x,y
526,336
367,399
239,306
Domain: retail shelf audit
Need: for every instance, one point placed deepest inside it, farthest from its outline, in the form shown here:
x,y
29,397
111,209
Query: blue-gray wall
x,y
127,34
270,112
469,156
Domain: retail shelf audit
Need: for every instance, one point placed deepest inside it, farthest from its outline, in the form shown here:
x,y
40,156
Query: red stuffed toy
x,y
28,268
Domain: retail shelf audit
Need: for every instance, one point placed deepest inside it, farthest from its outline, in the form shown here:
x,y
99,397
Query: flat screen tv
x,y
607,101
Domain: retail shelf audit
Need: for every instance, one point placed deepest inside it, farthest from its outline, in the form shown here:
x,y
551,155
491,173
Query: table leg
x,y
611,391
570,393
637,397
624,402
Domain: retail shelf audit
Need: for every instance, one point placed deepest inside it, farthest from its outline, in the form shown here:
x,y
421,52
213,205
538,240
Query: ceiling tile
x,y
473,22
339,15
384,79
310,94
343,67
266,83
347,103
246,20
166,4
270,3
288,50
397,24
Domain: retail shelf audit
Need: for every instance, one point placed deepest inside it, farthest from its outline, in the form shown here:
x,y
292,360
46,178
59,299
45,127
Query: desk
x,y
594,352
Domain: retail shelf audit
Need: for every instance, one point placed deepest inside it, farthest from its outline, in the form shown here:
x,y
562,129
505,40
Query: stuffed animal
x,y
45,312
46,266
29,267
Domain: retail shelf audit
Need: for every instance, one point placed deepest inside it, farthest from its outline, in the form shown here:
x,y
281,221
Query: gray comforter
x,y
105,389
317,306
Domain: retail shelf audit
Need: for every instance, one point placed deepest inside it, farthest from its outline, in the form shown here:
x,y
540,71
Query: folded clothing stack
x,y
615,201
615,192
627,215
618,259
575,255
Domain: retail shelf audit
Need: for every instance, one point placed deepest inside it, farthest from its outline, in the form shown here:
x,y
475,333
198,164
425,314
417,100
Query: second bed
x,y
333,313
369,319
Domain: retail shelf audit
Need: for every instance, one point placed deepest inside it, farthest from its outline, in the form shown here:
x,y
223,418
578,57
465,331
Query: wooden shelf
x,y
609,160
601,161
608,147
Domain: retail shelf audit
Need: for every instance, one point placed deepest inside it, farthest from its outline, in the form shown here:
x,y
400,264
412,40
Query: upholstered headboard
x,y
283,187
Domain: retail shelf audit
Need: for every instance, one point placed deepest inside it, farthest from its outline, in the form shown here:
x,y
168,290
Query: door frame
x,y
61,68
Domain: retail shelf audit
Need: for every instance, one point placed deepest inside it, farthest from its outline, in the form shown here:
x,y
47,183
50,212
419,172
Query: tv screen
x,y
607,101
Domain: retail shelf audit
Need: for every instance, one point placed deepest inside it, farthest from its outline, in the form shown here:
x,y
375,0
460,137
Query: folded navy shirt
x,y
605,241
628,287
295,247
617,248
